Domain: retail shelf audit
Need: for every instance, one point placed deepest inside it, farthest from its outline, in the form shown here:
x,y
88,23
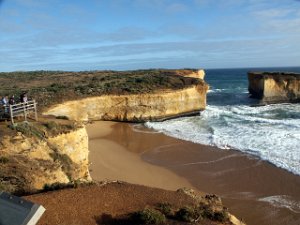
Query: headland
x,y
54,149
131,153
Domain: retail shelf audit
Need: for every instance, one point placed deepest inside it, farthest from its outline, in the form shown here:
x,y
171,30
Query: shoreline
x,y
254,190
109,160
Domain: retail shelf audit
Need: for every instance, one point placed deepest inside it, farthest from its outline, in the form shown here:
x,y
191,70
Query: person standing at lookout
x,y
12,100
4,102
23,97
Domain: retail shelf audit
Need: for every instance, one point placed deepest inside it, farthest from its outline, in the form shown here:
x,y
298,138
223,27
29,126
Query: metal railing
x,y
21,109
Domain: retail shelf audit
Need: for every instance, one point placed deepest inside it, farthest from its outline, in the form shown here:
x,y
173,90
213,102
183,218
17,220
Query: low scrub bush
x,y
148,216
166,209
29,130
4,160
187,214
62,118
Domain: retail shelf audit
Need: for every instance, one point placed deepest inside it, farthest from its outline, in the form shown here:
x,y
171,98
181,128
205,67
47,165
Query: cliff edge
x,y
157,105
33,159
274,87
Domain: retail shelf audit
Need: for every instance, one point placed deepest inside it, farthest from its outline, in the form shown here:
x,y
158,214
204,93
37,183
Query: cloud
x,y
218,3
285,21
176,8
273,13
34,3
167,6
190,53
143,33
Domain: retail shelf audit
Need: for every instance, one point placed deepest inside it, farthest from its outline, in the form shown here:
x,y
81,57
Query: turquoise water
x,y
270,132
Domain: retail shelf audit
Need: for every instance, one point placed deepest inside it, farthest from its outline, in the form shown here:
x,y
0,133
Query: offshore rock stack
x,y
274,87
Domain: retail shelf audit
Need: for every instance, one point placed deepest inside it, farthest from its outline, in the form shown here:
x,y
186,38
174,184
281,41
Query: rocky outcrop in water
x,y
274,87
155,106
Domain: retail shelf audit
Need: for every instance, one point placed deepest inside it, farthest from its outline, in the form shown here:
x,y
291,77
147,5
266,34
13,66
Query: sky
x,y
139,34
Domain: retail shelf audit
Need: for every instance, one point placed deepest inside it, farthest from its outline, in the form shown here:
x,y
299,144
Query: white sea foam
x,y
216,90
140,129
283,201
271,132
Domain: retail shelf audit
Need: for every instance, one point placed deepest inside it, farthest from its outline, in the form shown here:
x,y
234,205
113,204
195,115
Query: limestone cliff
x,y
31,163
200,74
135,107
274,87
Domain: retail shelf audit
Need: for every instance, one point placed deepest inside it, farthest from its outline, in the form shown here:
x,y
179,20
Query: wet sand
x,y
254,190
112,161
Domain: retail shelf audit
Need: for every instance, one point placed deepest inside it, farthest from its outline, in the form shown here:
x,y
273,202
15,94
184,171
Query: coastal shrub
x,y
54,128
2,188
164,214
29,130
55,87
220,216
51,125
57,186
4,160
65,161
139,80
62,117
148,216
166,209
187,214
206,211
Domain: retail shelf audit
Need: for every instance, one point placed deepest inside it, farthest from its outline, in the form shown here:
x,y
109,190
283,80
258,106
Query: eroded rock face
x,y
33,163
200,74
161,105
138,108
274,87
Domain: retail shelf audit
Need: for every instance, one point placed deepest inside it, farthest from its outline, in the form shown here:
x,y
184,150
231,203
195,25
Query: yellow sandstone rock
x,y
138,107
58,159
274,87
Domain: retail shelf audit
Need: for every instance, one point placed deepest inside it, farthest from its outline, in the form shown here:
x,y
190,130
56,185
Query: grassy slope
x,y
51,87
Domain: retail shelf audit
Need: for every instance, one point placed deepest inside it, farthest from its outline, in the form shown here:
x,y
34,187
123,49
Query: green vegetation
x,y
59,186
187,214
165,213
28,129
278,76
56,186
43,130
148,216
166,209
52,87
65,161
62,118
4,160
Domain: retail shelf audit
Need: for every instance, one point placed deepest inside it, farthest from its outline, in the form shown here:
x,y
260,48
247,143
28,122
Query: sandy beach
x,y
254,190
110,160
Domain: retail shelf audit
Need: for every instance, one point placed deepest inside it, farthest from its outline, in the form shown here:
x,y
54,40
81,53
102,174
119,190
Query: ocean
x,y
231,121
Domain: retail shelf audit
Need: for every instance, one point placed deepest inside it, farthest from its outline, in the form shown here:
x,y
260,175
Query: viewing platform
x,y
24,109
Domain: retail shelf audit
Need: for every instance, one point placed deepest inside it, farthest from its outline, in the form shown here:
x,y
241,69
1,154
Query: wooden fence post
x,y
24,110
11,112
35,111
